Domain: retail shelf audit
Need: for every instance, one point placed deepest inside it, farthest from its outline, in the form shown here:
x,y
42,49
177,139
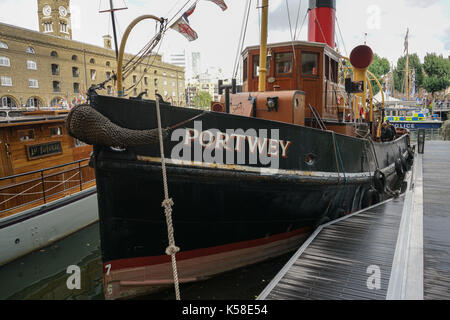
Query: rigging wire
x,y
342,38
242,38
301,27
298,16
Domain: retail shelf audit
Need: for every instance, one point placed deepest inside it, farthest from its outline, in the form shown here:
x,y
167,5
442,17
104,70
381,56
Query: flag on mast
x,y
183,27
220,3
189,12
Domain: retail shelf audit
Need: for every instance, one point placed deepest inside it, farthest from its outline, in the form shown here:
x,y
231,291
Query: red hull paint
x,y
321,27
127,278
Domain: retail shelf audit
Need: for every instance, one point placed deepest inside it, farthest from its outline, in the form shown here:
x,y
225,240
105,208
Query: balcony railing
x,y
43,186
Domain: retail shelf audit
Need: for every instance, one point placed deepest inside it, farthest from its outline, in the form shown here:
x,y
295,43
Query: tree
x,y
400,72
204,99
437,70
379,67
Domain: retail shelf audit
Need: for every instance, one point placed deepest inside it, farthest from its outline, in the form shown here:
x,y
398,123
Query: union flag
x,y
183,27
220,3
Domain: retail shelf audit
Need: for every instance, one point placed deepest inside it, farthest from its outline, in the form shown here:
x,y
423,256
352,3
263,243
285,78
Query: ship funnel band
x,y
361,57
322,4
90,126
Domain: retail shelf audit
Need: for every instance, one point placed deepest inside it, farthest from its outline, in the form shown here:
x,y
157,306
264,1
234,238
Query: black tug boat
x,y
249,180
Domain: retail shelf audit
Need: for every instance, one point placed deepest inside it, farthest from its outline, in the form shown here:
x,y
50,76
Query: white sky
x,y
385,21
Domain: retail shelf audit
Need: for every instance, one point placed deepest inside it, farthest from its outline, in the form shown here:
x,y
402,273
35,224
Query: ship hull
x,y
226,214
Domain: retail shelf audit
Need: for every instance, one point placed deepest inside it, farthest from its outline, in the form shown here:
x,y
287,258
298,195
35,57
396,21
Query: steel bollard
x,y
421,141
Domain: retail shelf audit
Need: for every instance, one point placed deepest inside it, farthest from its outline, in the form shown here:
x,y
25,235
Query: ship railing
x,y
23,191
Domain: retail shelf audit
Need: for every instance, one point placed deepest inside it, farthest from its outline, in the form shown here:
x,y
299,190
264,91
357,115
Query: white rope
x,y
167,204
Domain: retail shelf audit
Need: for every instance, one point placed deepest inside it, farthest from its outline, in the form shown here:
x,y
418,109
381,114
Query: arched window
x,y
74,58
8,102
34,102
108,64
3,45
30,50
92,61
54,54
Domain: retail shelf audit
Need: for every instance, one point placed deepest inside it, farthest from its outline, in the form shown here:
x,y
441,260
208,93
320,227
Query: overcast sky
x,y
385,22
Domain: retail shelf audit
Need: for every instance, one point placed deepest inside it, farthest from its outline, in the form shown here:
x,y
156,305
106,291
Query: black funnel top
x,y
322,3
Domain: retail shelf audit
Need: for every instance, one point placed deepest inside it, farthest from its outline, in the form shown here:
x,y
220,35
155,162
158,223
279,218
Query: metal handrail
x,y
42,182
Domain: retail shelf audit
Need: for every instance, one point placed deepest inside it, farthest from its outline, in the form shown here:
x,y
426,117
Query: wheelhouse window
x,y
78,143
283,63
31,65
327,67
5,62
310,64
25,135
245,71
334,70
256,66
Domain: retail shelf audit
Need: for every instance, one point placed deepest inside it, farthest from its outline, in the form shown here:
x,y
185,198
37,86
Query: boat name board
x,y
235,146
37,151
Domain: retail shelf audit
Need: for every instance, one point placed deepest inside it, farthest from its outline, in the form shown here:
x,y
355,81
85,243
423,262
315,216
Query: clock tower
x,y
54,18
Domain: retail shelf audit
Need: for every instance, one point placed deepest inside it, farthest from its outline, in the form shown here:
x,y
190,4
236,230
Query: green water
x,y
42,275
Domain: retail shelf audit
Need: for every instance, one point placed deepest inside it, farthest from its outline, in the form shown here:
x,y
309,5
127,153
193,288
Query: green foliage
x,y
379,67
399,72
204,100
438,73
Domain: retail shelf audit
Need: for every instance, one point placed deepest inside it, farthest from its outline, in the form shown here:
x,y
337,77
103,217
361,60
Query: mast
x,y
263,46
407,66
112,10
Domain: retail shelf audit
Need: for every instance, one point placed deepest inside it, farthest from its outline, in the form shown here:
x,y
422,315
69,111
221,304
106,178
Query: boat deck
x,y
398,249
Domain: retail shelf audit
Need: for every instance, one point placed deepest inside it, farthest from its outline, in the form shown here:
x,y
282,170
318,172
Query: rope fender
x,y
90,126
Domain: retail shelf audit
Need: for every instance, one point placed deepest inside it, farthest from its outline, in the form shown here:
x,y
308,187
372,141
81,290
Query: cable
x,y
242,38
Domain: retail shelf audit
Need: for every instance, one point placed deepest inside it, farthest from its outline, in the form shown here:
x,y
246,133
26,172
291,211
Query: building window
x,y
48,27
108,64
5,62
283,62
145,81
93,74
92,61
6,81
173,83
309,64
156,82
25,135
34,103
33,83
135,92
7,102
145,70
31,65
134,79
74,58
3,45
54,54
108,75
76,87
75,72
56,131
165,82
56,86
30,50
63,27
55,69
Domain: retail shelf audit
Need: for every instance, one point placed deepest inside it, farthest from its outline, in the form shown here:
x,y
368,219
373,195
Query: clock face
x,y
62,11
47,10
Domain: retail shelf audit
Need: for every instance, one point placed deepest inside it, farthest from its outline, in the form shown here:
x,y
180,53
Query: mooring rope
x,y
167,204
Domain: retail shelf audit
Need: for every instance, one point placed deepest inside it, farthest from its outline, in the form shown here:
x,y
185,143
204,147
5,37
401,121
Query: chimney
x,y
321,25
107,41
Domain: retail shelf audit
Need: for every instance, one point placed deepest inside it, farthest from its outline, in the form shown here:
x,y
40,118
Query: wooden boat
x,y
47,189
248,180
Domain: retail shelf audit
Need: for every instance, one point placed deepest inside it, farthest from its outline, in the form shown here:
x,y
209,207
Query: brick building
x,y
48,68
